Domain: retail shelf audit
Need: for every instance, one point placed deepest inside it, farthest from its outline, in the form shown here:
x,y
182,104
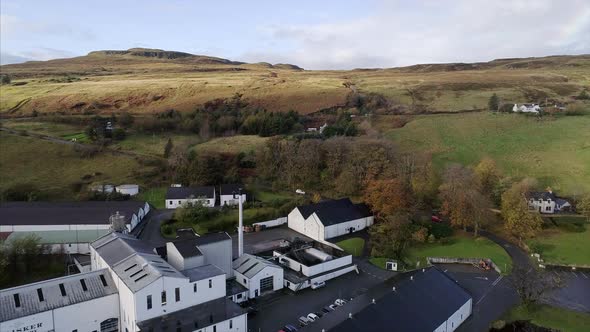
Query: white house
x,y
258,275
546,202
177,196
128,189
329,219
67,226
226,194
526,108
80,302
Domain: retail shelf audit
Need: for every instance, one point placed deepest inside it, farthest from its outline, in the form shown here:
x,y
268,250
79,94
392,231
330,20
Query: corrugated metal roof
x,y
249,265
133,261
29,295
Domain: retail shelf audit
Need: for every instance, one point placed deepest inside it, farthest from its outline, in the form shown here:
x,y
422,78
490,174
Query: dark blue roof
x,y
190,192
417,305
335,211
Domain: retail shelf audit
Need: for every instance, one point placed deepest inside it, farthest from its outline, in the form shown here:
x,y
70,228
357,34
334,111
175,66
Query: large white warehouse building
x,y
329,219
67,226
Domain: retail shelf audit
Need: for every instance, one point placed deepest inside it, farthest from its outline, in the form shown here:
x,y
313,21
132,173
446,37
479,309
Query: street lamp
x,y
240,222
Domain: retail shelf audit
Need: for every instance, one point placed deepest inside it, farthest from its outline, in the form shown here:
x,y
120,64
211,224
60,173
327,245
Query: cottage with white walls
x,y
258,275
329,219
547,202
68,226
177,196
527,108
228,194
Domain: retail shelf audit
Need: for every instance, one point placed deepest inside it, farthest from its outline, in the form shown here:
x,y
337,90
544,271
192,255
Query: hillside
x,y
151,80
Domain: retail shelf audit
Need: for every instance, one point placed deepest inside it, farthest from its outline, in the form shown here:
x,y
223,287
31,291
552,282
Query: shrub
x,y
440,230
22,192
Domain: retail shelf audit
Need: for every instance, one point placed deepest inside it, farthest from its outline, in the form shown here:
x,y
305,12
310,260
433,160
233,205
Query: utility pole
x,y
240,223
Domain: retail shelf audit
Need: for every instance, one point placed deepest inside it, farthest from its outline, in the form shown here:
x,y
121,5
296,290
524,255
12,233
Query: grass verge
x,y
353,246
552,317
566,243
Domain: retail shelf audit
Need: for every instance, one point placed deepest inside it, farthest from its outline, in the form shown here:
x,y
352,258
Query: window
x,y
74,330
547,208
245,281
210,283
40,295
195,287
62,289
164,298
178,202
83,283
177,294
103,280
210,318
149,302
214,328
231,325
239,296
16,300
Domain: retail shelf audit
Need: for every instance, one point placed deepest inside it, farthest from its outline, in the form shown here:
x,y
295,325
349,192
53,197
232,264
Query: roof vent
x,y
411,277
373,301
394,288
423,270
350,315
144,265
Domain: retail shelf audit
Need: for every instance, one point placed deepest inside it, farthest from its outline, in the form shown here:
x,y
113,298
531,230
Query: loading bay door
x,y
266,284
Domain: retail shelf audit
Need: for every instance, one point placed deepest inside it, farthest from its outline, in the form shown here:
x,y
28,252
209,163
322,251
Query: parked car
x,y
304,321
320,314
317,285
333,307
290,328
327,309
339,302
312,317
436,218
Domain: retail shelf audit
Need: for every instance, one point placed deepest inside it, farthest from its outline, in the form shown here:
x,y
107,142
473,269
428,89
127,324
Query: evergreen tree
x,y
168,148
494,102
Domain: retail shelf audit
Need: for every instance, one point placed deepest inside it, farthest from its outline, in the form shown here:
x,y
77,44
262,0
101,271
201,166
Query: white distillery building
x,y
258,275
154,294
81,302
226,194
312,262
67,226
418,301
328,219
526,108
177,196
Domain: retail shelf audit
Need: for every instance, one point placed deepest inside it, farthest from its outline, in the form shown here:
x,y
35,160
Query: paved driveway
x,y
575,294
150,231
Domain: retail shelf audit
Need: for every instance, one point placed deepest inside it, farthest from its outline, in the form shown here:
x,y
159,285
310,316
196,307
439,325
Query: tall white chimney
x,y
240,224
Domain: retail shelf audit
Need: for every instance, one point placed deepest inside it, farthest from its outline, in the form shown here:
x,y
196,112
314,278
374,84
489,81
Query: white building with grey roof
x,y
258,275
81,302
178,196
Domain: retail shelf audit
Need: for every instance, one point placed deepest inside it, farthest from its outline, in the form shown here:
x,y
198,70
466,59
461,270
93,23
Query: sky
x,y
318,34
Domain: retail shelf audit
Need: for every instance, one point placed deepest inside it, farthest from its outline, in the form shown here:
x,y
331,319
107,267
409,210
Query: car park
x,y
339,302
312,317
333,307
327,309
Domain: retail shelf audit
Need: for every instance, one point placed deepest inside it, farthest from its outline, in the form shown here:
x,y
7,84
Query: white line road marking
x,y
575,274
557,274
585,276
483,278
497,280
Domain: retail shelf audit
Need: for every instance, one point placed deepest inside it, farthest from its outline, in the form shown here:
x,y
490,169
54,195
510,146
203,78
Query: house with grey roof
x,y
231,194
177,196
260,276
328,219
546,202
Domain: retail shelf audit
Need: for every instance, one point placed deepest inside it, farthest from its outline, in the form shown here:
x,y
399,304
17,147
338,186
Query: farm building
x,y
328,219
547,202
306,263
526,108
128,189
67,226
417,301
226,194
258,275
177,196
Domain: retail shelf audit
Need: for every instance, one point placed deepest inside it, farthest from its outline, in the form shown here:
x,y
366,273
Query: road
x,y
150,231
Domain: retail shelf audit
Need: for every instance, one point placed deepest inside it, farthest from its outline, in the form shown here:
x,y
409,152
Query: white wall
x,y
456,319
230,200
220,254
175,203
180,263
41,322
238,324
343,228
542,206
310,227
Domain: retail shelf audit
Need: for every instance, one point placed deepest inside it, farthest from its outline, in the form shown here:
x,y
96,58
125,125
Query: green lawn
x,y
155,196
353,246
232,144
552,317
154,144
569,243
378,261
461,246
555,151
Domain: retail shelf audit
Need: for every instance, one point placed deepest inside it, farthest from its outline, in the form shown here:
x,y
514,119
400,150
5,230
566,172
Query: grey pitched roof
x,y
134,262
202,272
229,189
65,213
30,303
187,248
190,192
195,317
417,305
335,211
249,265
211,238
541,195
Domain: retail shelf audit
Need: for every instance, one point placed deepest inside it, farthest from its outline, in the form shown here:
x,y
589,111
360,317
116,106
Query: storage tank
x,y
117,222
322,256
128,189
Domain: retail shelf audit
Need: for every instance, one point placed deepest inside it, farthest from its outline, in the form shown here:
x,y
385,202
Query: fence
x,y
448,260
272,223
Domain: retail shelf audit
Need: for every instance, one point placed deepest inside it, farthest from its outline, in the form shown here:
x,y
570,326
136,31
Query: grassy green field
x,y
55,168
153,145
551,317
568,243
555,151
155,196
352,246
461,246
232,144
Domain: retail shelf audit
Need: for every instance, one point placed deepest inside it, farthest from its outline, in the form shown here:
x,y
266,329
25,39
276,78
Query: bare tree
x,y
531,284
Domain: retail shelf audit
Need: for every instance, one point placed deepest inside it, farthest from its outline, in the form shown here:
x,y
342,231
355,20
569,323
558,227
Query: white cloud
x,y
436,31
12,27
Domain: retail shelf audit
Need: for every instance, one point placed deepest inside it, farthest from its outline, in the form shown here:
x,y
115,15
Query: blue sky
x,y
313,34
